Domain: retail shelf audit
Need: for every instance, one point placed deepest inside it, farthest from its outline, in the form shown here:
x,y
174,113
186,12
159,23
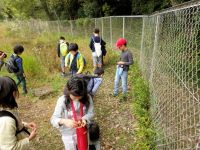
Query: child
x,y
126,59
21,78
95,82
97,60
2,56
10,122
74,60
75,92
62,50
94,136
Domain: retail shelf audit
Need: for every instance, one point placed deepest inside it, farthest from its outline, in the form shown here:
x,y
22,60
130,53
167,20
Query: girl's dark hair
x,y
94,131
7,87
77,87
18,49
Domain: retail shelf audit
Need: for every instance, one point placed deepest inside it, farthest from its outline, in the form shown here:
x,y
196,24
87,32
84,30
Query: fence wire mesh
x,y
175,78
167,47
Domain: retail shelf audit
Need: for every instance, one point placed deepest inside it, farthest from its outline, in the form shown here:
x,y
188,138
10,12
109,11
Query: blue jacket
x,y
93,85
19,63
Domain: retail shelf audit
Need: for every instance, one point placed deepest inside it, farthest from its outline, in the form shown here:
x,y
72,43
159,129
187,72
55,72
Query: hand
x,y
32,135
24,75
120,63
69,123
82,123
2,56
31,125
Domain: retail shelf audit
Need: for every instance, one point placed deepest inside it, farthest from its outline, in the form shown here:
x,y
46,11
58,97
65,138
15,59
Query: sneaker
x,y
63,74
114,94
123,97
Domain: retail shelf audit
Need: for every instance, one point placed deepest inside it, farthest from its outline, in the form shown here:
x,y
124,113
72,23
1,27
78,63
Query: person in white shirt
x,y
12,135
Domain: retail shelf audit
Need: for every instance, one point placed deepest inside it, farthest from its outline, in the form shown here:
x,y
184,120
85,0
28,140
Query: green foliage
x,y
32,66
144,132
73,9
106,9
21,9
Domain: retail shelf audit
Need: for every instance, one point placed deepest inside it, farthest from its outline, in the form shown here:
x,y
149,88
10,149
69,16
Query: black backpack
x,y
9,114
87,77
11,65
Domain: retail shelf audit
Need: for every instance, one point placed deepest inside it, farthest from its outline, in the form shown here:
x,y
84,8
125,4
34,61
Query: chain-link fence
x,y
174,77
167,47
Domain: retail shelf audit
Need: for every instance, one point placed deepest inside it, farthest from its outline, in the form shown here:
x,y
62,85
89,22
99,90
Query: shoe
x,y
123,97
114,94
63,74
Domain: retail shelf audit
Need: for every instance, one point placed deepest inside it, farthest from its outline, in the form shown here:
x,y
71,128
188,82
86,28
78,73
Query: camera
x,y
4,54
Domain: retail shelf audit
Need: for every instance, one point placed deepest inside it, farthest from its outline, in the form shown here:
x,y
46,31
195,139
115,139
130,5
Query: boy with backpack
x,y
62,50
95,81
126,59
15,65
97,46
74,60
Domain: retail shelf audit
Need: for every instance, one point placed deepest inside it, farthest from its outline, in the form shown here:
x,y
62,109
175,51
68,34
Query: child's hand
x,y
1,56
24,75
82,123
120,63
69,123
32,135
31,125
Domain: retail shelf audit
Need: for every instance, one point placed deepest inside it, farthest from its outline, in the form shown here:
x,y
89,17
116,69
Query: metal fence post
x,y
110,31
154,49
71,27
142,42
95,22
102,28
123,25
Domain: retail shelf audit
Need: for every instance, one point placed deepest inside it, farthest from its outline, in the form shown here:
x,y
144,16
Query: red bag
x,y
82,139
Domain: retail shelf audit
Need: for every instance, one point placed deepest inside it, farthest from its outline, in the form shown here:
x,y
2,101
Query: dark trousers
x,y
21,80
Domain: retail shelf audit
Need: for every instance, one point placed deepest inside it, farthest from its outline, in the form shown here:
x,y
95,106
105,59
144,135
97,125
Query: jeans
x,y
62,62
21,79
123,75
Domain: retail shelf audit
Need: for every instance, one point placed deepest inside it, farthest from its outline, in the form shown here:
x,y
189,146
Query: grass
x,y
144,131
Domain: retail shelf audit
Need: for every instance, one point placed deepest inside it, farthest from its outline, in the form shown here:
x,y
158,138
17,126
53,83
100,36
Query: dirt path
x,y
115,118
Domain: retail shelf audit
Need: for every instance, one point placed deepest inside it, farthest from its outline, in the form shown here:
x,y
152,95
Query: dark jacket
x,y
58,49
97,39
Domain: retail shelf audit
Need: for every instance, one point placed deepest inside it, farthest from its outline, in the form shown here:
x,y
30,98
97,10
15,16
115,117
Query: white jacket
x,y
8,140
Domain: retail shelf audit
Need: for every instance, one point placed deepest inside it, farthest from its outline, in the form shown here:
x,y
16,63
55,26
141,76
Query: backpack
x,y
84,60
87,77
94,131
97,47
11,65
9,114
63,49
